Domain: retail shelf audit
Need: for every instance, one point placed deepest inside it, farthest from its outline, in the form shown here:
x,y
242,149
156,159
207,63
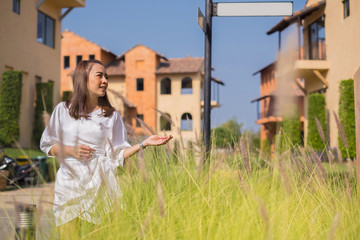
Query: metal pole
x,y
207,78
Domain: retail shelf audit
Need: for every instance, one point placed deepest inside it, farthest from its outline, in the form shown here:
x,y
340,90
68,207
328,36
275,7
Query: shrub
x,y
44,101
10,101
66,96
292,125
347,116
227,134
316,108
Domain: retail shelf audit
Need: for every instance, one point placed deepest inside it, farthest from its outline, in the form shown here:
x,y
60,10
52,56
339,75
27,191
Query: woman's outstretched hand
x,y
156,140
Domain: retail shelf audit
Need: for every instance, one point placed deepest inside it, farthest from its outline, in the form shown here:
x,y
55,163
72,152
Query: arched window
x,y
186,122
186,86
165,86
165,122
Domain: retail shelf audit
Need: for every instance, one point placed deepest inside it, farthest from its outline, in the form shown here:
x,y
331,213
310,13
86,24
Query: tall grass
x,y
237,196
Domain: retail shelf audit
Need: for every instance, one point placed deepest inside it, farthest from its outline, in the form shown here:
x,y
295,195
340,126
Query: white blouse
x,y
80,184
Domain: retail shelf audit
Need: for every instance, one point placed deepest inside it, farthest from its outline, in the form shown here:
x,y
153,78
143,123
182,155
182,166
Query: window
x,y
165,122
78,59
92,56
139,84
141,117
186,122
317,46
346,6
186,86
66,62
16,6
45,30
165,86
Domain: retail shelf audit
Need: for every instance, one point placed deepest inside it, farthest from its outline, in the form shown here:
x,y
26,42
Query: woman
x,y
88,137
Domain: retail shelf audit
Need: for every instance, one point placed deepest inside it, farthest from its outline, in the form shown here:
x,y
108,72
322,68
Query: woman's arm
x,y
150,141
80,152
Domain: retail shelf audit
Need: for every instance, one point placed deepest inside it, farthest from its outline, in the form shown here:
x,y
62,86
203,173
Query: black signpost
x,y
229,10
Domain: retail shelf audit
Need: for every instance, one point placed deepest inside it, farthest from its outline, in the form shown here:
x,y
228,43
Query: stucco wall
x,y
176,104
21,51
144,100
343,52
73,45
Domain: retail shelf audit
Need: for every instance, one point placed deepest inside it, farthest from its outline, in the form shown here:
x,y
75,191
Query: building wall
x,y
343,51
21,51
141,62
176,104
73,45
117,84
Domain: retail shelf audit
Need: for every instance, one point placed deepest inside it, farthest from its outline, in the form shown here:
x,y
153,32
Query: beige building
x,y
329,49
30,42
165,93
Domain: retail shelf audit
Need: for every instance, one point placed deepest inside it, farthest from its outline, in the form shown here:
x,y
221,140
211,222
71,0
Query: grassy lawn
x,y
236,196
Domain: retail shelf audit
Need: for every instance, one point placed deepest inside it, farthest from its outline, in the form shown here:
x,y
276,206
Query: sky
x,y
240,45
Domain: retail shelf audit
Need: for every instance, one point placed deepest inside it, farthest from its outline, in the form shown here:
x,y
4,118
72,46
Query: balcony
x,y
69,3
215,94
313,66
213,104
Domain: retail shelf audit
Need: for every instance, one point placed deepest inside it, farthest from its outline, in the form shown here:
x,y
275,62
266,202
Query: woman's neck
x,y
92,104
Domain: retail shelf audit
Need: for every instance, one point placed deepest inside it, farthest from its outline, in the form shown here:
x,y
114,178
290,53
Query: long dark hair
x,y
77,104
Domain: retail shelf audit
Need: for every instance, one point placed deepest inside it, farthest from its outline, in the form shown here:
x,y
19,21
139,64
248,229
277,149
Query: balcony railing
x,y
317,51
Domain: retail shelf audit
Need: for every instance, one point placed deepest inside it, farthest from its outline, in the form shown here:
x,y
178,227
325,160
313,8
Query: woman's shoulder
x,y
60,107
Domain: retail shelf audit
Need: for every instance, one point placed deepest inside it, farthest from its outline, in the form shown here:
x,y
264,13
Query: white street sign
x,y
247,9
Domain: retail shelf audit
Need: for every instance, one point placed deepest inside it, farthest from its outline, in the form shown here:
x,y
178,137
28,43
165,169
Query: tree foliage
x,y
10,101
316,108
347,116
227,134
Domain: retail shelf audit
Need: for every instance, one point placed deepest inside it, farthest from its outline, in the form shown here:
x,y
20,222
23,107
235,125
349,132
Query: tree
x,y
227,134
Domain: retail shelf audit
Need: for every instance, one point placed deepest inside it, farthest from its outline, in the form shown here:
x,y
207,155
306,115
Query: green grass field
x,y
235,195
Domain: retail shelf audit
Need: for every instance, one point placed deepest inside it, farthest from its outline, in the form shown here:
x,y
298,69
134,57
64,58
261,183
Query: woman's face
x,y
98,82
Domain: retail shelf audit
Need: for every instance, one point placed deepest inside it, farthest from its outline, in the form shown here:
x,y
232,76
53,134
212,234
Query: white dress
x,y
80,184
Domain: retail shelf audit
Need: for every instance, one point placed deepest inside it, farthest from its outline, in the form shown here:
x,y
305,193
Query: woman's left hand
x,y
156,140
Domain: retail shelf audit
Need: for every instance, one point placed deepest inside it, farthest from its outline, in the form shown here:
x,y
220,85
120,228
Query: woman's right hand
x,y
83,152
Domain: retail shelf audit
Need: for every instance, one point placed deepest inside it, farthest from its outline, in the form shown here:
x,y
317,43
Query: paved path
x,y
42,196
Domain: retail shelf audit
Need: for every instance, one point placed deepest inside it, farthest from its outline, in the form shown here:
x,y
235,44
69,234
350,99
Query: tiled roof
x,y
181,65
286,21
102,48
116,67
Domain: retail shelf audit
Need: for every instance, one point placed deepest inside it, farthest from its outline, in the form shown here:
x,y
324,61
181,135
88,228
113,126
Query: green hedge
x,y
10,101
316,108
66,96
292,125
347,116
44,98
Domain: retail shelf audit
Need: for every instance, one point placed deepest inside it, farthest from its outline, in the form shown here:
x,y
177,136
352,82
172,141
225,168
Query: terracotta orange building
x,y
269,115
149,90
167,93
74,49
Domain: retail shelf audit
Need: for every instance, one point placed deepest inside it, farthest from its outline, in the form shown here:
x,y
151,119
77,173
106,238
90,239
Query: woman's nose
x,y
104,80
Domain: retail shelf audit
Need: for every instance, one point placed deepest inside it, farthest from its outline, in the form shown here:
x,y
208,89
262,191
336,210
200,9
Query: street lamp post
x,y
229,10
